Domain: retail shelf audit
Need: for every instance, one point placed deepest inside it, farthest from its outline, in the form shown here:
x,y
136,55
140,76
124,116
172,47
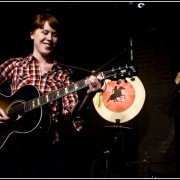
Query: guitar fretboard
x,y
54,95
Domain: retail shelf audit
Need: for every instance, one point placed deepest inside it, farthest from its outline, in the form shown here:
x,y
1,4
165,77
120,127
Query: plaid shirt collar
x,y
32,58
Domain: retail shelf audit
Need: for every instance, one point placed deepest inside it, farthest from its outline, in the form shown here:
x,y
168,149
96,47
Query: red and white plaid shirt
x,y
26,71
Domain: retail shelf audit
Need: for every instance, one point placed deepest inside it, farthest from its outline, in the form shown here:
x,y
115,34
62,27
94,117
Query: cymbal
x,y
118,127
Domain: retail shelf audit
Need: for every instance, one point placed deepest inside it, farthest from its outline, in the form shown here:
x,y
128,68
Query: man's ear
x,y
31,35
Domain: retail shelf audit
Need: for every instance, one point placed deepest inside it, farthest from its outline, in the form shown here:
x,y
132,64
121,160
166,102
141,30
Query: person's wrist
x,y
90,93
177,83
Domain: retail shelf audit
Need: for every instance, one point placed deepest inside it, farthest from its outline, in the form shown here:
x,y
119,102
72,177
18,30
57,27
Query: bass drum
x,y
120,101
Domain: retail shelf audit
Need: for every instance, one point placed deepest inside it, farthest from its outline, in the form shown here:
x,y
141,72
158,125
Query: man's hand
x,y
177,79
94,84
3,116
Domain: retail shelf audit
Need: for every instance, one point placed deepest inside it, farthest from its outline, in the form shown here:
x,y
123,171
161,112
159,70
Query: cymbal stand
x,y
118,137
119,133
107,153
119,148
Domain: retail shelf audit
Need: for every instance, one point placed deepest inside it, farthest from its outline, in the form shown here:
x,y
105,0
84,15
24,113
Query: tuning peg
x,y
129,73
120,68
132,79
133,68
118,82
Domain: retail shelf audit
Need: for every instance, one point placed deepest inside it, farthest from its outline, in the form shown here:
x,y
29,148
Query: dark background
x,y
92,32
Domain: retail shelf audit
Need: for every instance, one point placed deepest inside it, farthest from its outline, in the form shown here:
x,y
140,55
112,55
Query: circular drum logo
x,y
120,100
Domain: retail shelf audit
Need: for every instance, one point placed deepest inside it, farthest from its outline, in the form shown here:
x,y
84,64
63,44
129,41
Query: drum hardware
x,y
119,135
107,154
118,127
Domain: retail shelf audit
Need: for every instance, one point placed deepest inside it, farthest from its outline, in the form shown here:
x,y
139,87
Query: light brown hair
x,y
40,19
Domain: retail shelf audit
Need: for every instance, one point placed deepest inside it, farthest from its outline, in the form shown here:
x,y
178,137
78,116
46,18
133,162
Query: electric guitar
x,y
24,107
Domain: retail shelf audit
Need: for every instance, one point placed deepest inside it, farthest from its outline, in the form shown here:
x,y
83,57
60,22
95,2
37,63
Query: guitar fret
x,y
33,104
57,94
47,98
76,86
38,102
86,82
66,90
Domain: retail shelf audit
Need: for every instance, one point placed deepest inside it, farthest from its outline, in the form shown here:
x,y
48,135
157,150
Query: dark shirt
x,y
172,102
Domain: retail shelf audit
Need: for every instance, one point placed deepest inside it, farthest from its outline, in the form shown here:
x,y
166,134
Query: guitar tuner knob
x,y
118,82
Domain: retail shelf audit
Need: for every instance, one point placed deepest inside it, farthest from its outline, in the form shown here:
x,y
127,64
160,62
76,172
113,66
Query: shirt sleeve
x,y
6,71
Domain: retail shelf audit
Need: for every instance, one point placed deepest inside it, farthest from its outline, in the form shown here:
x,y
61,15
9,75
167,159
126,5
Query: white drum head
x,y
120,100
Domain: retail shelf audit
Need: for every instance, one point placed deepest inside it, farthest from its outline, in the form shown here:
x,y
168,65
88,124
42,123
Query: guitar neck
x,y
54,95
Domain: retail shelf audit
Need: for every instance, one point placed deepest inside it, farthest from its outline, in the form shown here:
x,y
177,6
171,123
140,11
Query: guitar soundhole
x,y
16,110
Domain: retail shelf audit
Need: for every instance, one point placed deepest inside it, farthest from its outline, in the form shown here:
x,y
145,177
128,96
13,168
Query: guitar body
x,y
24,123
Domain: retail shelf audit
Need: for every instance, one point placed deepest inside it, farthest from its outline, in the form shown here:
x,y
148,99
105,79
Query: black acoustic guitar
x,y
25,106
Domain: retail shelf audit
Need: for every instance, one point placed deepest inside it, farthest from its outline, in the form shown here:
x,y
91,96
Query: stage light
x,y
140,5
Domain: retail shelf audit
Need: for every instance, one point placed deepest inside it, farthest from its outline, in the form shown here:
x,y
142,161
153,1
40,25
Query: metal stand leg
x,y
117,151
107,153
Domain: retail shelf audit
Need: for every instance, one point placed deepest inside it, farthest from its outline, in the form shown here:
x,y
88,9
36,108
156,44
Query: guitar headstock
x,y
121,73
127,72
